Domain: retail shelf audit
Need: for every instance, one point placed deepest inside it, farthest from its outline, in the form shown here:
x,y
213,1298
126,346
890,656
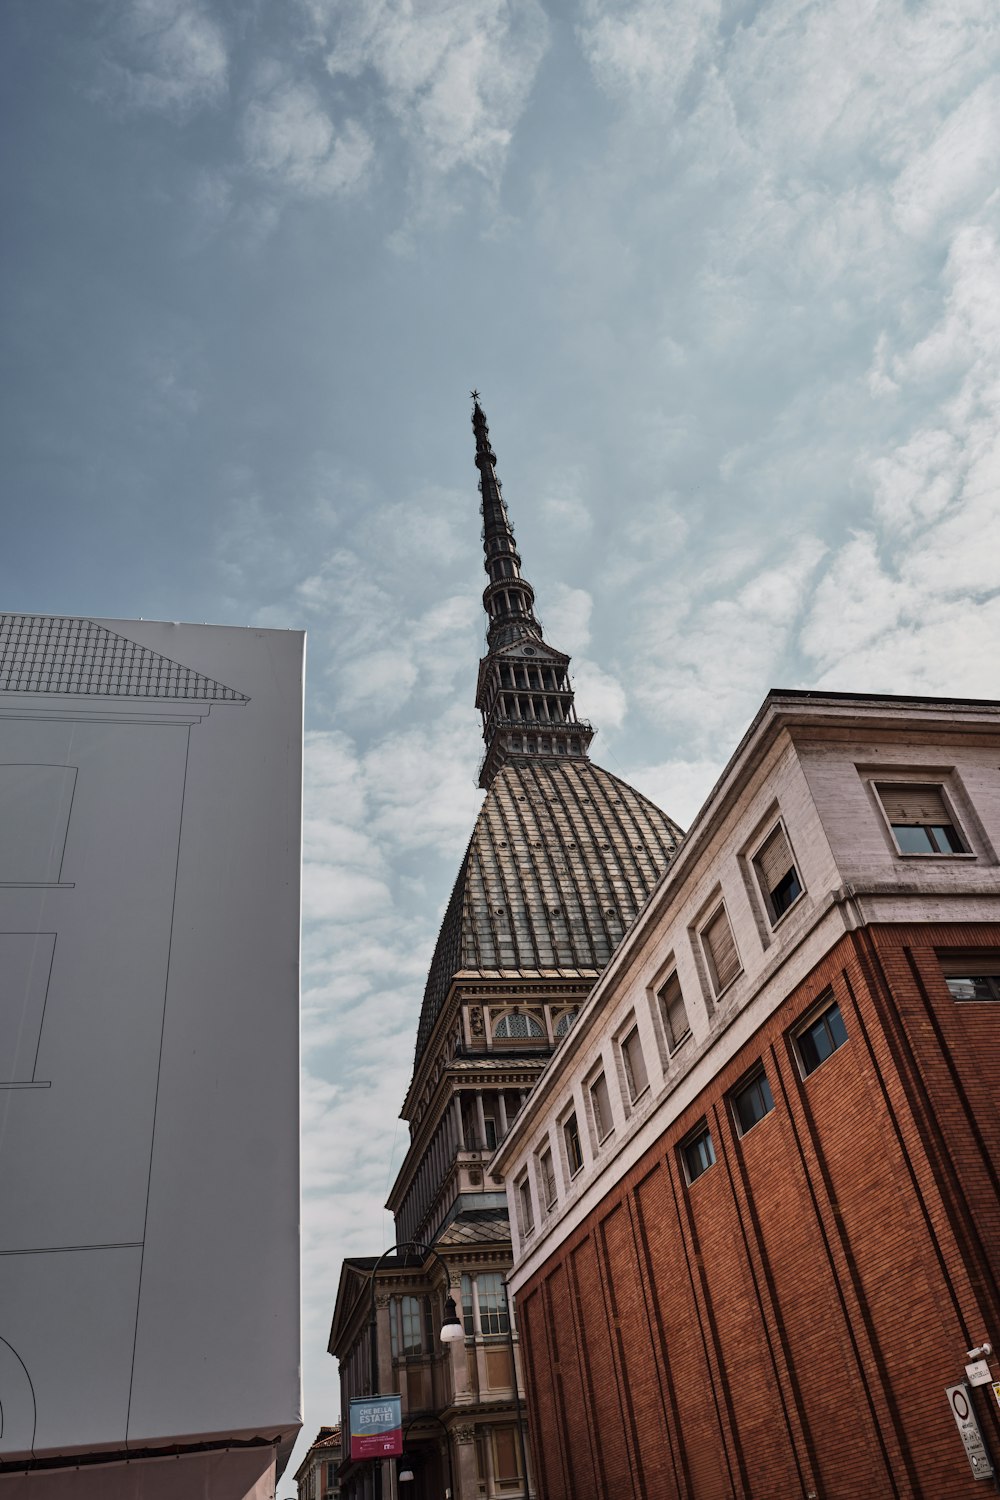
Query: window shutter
x,y
675,1018
722,950
914,805
775,859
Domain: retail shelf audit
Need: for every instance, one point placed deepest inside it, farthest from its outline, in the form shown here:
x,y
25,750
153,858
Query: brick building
x,y
755,1192
562,857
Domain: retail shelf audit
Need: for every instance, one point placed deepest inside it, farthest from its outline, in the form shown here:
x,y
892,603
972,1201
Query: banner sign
x,y
376,1427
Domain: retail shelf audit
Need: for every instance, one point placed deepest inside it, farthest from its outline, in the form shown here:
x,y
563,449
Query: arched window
x,y
565,1021
515,1025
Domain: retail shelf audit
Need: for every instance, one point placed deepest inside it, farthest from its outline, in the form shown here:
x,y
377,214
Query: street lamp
x,y
452,1329
405,1474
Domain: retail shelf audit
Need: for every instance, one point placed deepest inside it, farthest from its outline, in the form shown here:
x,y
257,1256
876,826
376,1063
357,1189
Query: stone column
x,y
481,1119
456,1109
464,1455
491,1484
502,1112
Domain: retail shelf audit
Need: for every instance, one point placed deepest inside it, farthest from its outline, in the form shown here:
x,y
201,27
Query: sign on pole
x,y
377,1427
960,1401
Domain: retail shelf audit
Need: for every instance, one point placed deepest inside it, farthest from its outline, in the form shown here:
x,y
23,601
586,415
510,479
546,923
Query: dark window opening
x,y
821,1038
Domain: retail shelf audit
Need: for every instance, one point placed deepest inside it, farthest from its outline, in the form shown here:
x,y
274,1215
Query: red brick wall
x,y
787,1325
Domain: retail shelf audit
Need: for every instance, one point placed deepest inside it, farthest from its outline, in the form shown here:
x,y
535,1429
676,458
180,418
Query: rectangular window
x,y
505,1466
975,977
547,1174
920,819
410,1321
698,1153
525,1210
673,1013
600,1101
574,1149
752,1100
776,872
820,1038
492,1304
720,950
634,1064
491,1133
468,1307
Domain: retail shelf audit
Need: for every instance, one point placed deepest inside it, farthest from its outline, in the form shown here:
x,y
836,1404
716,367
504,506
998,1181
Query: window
x,y
973,978
720,950
634,1064
491,1132
505,1466
515,1025
779,879
920,820
820,1038
752,1100
673,1013
698,1153
600,1102
525,1210
547,1174
493,1317
574,1150
468,1307
565,1022
411,1338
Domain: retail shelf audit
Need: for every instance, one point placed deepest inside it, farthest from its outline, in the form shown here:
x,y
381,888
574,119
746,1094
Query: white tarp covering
x,y
150,784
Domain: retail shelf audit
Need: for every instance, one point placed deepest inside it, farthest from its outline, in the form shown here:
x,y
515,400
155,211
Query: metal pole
x,y
418,1247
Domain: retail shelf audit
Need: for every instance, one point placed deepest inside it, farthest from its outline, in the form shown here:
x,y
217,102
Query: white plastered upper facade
x,y
817,768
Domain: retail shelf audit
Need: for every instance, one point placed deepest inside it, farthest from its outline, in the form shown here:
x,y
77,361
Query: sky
x,y
726,276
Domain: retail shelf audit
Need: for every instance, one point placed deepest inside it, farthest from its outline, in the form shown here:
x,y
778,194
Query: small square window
x,y
820,1038
752,1100
776,872
574,1147
673,1013
634,1064
698,1153
920,819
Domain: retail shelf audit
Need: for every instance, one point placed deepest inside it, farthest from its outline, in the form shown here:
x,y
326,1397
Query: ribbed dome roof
x,y
562,856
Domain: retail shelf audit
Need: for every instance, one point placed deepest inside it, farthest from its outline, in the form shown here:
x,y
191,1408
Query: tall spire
x,y
524,694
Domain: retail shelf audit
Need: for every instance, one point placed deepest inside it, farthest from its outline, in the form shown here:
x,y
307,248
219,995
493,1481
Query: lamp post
x,y
452,1329
405,1474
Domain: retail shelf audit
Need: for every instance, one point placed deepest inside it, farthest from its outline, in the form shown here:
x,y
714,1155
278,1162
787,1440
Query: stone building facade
x,y
316,1476
562,857
755,1195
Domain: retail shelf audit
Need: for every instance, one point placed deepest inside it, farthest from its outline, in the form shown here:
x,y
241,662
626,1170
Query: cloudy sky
x,y
726,274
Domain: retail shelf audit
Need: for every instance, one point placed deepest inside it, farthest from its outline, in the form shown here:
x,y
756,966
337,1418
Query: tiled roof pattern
x,y
478,1227
60,654
562,857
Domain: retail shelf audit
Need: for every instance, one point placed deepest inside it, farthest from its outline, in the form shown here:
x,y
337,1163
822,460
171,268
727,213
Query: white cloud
x,y
289,138
567,618
171,56
455,74
600,697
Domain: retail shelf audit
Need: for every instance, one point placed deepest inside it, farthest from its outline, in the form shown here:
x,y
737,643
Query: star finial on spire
x,y
475,395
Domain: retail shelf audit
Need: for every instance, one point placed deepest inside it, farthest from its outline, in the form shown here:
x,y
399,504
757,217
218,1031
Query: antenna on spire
x,y
524,692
